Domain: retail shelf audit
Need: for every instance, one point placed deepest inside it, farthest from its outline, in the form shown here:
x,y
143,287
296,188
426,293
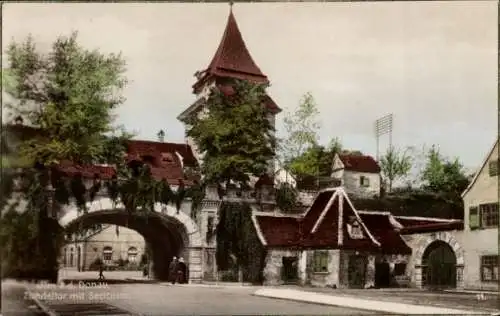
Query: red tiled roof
x,y
88,171
319,228
416,225
232,58
136,150
146,147
279,231
384,231
360,163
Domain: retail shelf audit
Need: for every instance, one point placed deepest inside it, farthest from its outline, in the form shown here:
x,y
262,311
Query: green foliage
x,y
69,93
68,97
301,128
235,134
315,163
413,203
395,164
237,242
286,197
444,176
197,194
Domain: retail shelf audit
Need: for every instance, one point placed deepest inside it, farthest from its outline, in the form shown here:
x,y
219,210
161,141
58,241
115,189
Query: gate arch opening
x,y
167,233
439,266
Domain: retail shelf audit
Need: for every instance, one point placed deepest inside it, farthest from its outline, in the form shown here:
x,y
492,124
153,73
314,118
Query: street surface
x,y
15,302
163,299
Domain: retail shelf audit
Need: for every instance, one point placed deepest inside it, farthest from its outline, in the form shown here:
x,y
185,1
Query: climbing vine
x,y
238,246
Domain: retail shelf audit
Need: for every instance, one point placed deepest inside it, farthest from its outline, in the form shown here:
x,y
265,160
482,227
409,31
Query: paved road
x,y
15,302
159,299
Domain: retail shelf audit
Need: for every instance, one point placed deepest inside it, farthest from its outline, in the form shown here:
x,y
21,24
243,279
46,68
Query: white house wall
x,y
480,242
351,183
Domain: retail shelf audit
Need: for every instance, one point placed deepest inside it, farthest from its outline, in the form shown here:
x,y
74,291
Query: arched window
x,y
107,254
132,254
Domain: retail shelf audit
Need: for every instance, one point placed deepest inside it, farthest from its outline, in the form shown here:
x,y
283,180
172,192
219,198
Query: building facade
x,y
358,174
333,244
116,247
481,225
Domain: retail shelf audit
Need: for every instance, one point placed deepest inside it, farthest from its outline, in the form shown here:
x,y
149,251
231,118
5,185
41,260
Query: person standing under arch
x,y
172,270
181,271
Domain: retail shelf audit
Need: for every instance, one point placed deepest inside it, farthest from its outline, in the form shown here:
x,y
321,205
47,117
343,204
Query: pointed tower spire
x,y
232,58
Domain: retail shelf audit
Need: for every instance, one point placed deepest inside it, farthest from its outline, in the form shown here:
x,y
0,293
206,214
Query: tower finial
x,y
231,5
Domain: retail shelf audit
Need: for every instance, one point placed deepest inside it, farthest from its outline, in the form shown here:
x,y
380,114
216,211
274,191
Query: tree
x,y
68,96
443,175
395,164
315,163
234,136
301,128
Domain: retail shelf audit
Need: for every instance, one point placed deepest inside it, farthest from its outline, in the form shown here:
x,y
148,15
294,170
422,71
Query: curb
x,y
325,304
350,302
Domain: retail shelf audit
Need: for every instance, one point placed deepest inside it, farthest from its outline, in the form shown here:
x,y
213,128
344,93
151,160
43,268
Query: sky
x,y
433,65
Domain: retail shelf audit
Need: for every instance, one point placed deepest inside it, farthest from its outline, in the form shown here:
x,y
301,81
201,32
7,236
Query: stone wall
x,y
306,197
420,242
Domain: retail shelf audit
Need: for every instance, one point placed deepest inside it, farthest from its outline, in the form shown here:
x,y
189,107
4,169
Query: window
x,y
364,181
489,268
473,217
107,254
493,168
399,269
210,227
320,261
132,254
71,257
489,215
167,158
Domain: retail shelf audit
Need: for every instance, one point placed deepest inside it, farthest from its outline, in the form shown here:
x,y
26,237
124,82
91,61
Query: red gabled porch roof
x,y
324,226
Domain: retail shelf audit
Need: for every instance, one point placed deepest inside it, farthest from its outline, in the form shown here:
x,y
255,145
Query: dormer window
x,y
167,158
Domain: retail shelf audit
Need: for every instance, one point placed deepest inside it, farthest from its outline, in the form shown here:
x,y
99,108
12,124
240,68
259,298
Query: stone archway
x,y
445,243
169,232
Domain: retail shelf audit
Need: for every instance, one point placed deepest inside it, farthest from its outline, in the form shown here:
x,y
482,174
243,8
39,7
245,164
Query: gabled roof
x,y
324,226
359,163
232,58
485,161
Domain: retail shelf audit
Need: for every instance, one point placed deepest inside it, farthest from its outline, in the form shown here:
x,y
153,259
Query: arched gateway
x,y
168,232
439,262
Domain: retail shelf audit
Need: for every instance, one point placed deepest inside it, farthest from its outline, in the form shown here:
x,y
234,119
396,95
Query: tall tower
x,y
232,60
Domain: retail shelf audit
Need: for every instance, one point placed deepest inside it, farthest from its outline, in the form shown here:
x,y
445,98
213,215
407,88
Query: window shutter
x,y
473,217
